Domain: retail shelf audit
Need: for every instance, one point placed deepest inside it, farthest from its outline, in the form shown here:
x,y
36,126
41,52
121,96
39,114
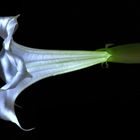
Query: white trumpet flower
x,y
21,66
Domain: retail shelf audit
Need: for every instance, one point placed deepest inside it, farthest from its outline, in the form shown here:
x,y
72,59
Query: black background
x,y
81,103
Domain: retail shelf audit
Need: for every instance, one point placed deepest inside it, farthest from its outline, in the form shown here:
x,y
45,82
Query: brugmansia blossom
x,y
21,66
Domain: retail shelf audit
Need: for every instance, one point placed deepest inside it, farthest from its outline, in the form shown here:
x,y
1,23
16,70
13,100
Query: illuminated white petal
x,y
21,66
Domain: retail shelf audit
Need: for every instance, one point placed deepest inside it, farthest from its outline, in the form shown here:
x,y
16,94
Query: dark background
x,y
81,103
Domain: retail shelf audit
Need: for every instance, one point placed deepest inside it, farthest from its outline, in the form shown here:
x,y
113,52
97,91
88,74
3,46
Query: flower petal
x,y
21,66
7,102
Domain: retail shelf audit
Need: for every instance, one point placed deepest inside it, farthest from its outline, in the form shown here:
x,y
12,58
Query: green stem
x,y
128,53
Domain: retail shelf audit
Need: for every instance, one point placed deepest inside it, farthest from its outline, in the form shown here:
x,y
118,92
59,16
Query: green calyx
x,y
127,53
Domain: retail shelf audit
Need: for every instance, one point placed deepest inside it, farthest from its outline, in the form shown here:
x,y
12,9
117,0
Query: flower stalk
x,y
126,53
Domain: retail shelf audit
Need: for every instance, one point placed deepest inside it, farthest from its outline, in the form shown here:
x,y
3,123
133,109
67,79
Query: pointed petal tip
x,y
17,16
24,129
